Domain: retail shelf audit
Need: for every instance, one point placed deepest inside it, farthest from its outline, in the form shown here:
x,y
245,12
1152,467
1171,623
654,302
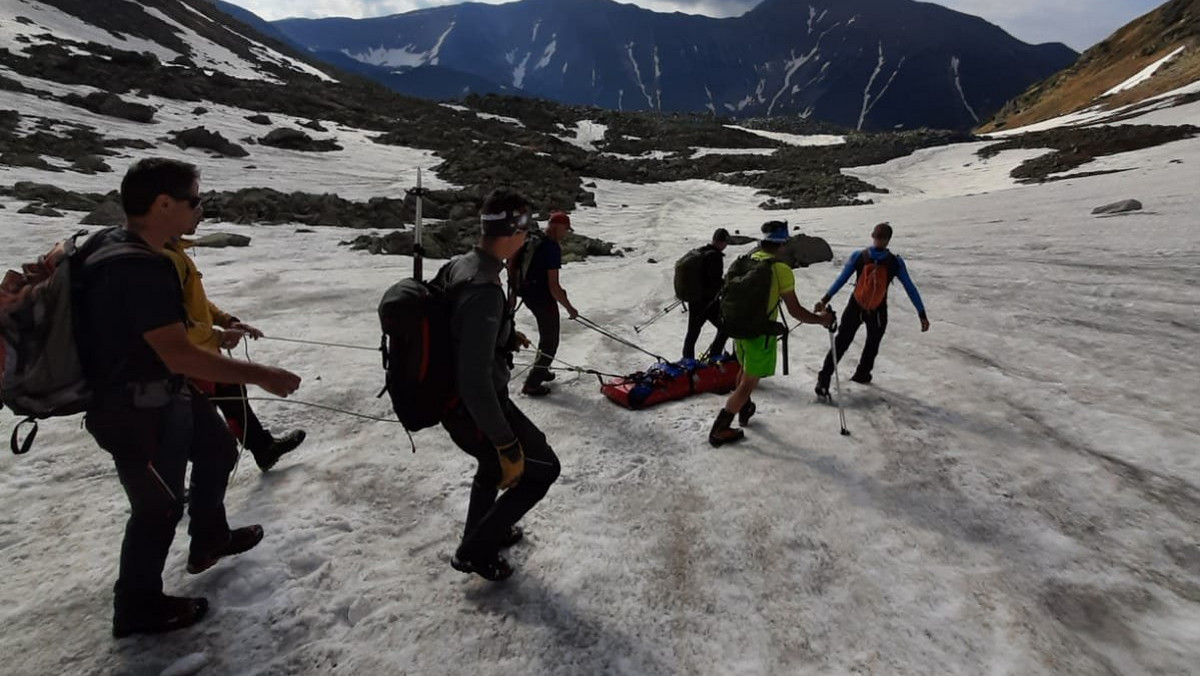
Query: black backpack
x,y
418,351
689,276
524,260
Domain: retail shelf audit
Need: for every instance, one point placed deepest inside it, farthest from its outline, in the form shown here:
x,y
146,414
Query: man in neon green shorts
x,y
754,289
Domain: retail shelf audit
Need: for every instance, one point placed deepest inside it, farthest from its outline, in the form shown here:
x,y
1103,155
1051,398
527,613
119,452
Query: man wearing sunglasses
x,y
136,354
511,452
875,267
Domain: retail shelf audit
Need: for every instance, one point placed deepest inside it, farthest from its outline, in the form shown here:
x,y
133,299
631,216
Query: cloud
x,y
1079,23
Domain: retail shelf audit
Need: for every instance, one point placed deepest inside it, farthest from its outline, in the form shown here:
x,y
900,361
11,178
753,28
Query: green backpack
x,y
744,308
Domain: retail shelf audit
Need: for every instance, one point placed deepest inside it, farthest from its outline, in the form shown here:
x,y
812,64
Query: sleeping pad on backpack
x,y
669,382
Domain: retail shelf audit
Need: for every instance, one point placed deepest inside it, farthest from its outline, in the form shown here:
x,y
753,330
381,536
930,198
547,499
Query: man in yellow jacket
x,y
213,329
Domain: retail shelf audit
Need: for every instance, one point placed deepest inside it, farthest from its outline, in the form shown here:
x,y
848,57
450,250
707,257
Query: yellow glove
x,y
512,464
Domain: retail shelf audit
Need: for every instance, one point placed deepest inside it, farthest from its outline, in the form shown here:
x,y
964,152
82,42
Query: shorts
x,y
756,355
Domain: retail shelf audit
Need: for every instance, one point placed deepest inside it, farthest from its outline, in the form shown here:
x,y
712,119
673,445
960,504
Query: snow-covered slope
x,y
1020,494
172,30
1144,60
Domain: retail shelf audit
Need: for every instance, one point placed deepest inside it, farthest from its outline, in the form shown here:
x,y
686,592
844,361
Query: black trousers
x,y
151,449
545,311
699,313
489,518
852,318
241,418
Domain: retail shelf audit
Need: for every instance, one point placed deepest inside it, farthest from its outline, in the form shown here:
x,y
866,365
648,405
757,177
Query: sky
x,y
1078,23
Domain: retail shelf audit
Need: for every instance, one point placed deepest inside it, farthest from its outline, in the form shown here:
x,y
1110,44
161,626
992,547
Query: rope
x,y
309,404
321,343
587,323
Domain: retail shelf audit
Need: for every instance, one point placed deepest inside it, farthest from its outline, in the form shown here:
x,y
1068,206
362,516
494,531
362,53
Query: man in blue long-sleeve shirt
x,y
876,267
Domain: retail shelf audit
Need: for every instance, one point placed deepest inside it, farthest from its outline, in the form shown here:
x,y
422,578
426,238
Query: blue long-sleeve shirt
x,y
878,255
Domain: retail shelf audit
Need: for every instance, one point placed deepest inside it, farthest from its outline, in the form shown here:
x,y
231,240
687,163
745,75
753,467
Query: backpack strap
x,y
864,257
24,447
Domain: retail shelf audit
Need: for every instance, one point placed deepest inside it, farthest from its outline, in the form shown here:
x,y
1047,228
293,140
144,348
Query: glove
x,y
512,464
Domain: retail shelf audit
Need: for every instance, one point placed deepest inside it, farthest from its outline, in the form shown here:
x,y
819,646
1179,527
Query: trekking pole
x,y
418,250
661,313
837,379
587,323
786,367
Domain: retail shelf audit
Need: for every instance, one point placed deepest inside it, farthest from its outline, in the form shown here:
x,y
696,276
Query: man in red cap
x,y
543,294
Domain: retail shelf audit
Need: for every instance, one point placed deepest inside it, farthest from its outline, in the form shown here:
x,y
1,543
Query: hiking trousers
x,y
699,313
852,318
545,311
490,518
151,448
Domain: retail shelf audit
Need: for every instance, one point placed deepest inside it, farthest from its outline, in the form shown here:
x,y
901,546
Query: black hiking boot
x,y
279,448
549,377
822,390
515,535
747,413
535,390
494,567
239,540
861,378
155,614
722,433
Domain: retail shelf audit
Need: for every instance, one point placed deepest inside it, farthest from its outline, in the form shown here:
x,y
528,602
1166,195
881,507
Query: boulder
x,y
91,164
1124,206
802,251
111,105
259,119
40,210
220,240
108,213
53,196
200,137
294,139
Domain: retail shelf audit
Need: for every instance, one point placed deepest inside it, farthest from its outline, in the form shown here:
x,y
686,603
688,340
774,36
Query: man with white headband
x,y
512,452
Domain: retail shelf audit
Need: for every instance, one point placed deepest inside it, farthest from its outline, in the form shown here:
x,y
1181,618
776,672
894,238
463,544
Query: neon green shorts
x,y
756,355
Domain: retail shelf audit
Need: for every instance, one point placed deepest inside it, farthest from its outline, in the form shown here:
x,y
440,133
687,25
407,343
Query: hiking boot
x,y
238,541
746,413
278,448
494,567
156,614
861,378
549,377
722,433
822,391
515,535
535,390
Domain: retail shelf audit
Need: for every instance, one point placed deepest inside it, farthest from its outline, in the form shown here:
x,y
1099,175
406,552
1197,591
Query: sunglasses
x,y
192,200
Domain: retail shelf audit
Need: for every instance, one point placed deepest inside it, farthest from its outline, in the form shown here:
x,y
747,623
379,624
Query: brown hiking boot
x,y
239,540
722,433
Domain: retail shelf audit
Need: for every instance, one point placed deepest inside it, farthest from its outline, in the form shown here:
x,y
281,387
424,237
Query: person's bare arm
x,y
172,346
560,294
802,314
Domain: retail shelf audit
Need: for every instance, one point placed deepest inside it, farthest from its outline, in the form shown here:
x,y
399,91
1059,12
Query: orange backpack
x,y
870,290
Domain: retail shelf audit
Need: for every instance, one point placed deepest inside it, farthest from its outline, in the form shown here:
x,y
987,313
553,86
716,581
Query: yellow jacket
x,y
202,315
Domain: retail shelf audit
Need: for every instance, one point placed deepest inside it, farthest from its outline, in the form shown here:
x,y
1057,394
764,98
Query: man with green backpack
x,y
755,286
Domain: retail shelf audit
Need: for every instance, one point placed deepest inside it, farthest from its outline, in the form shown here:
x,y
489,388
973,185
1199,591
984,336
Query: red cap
x,y
560,217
